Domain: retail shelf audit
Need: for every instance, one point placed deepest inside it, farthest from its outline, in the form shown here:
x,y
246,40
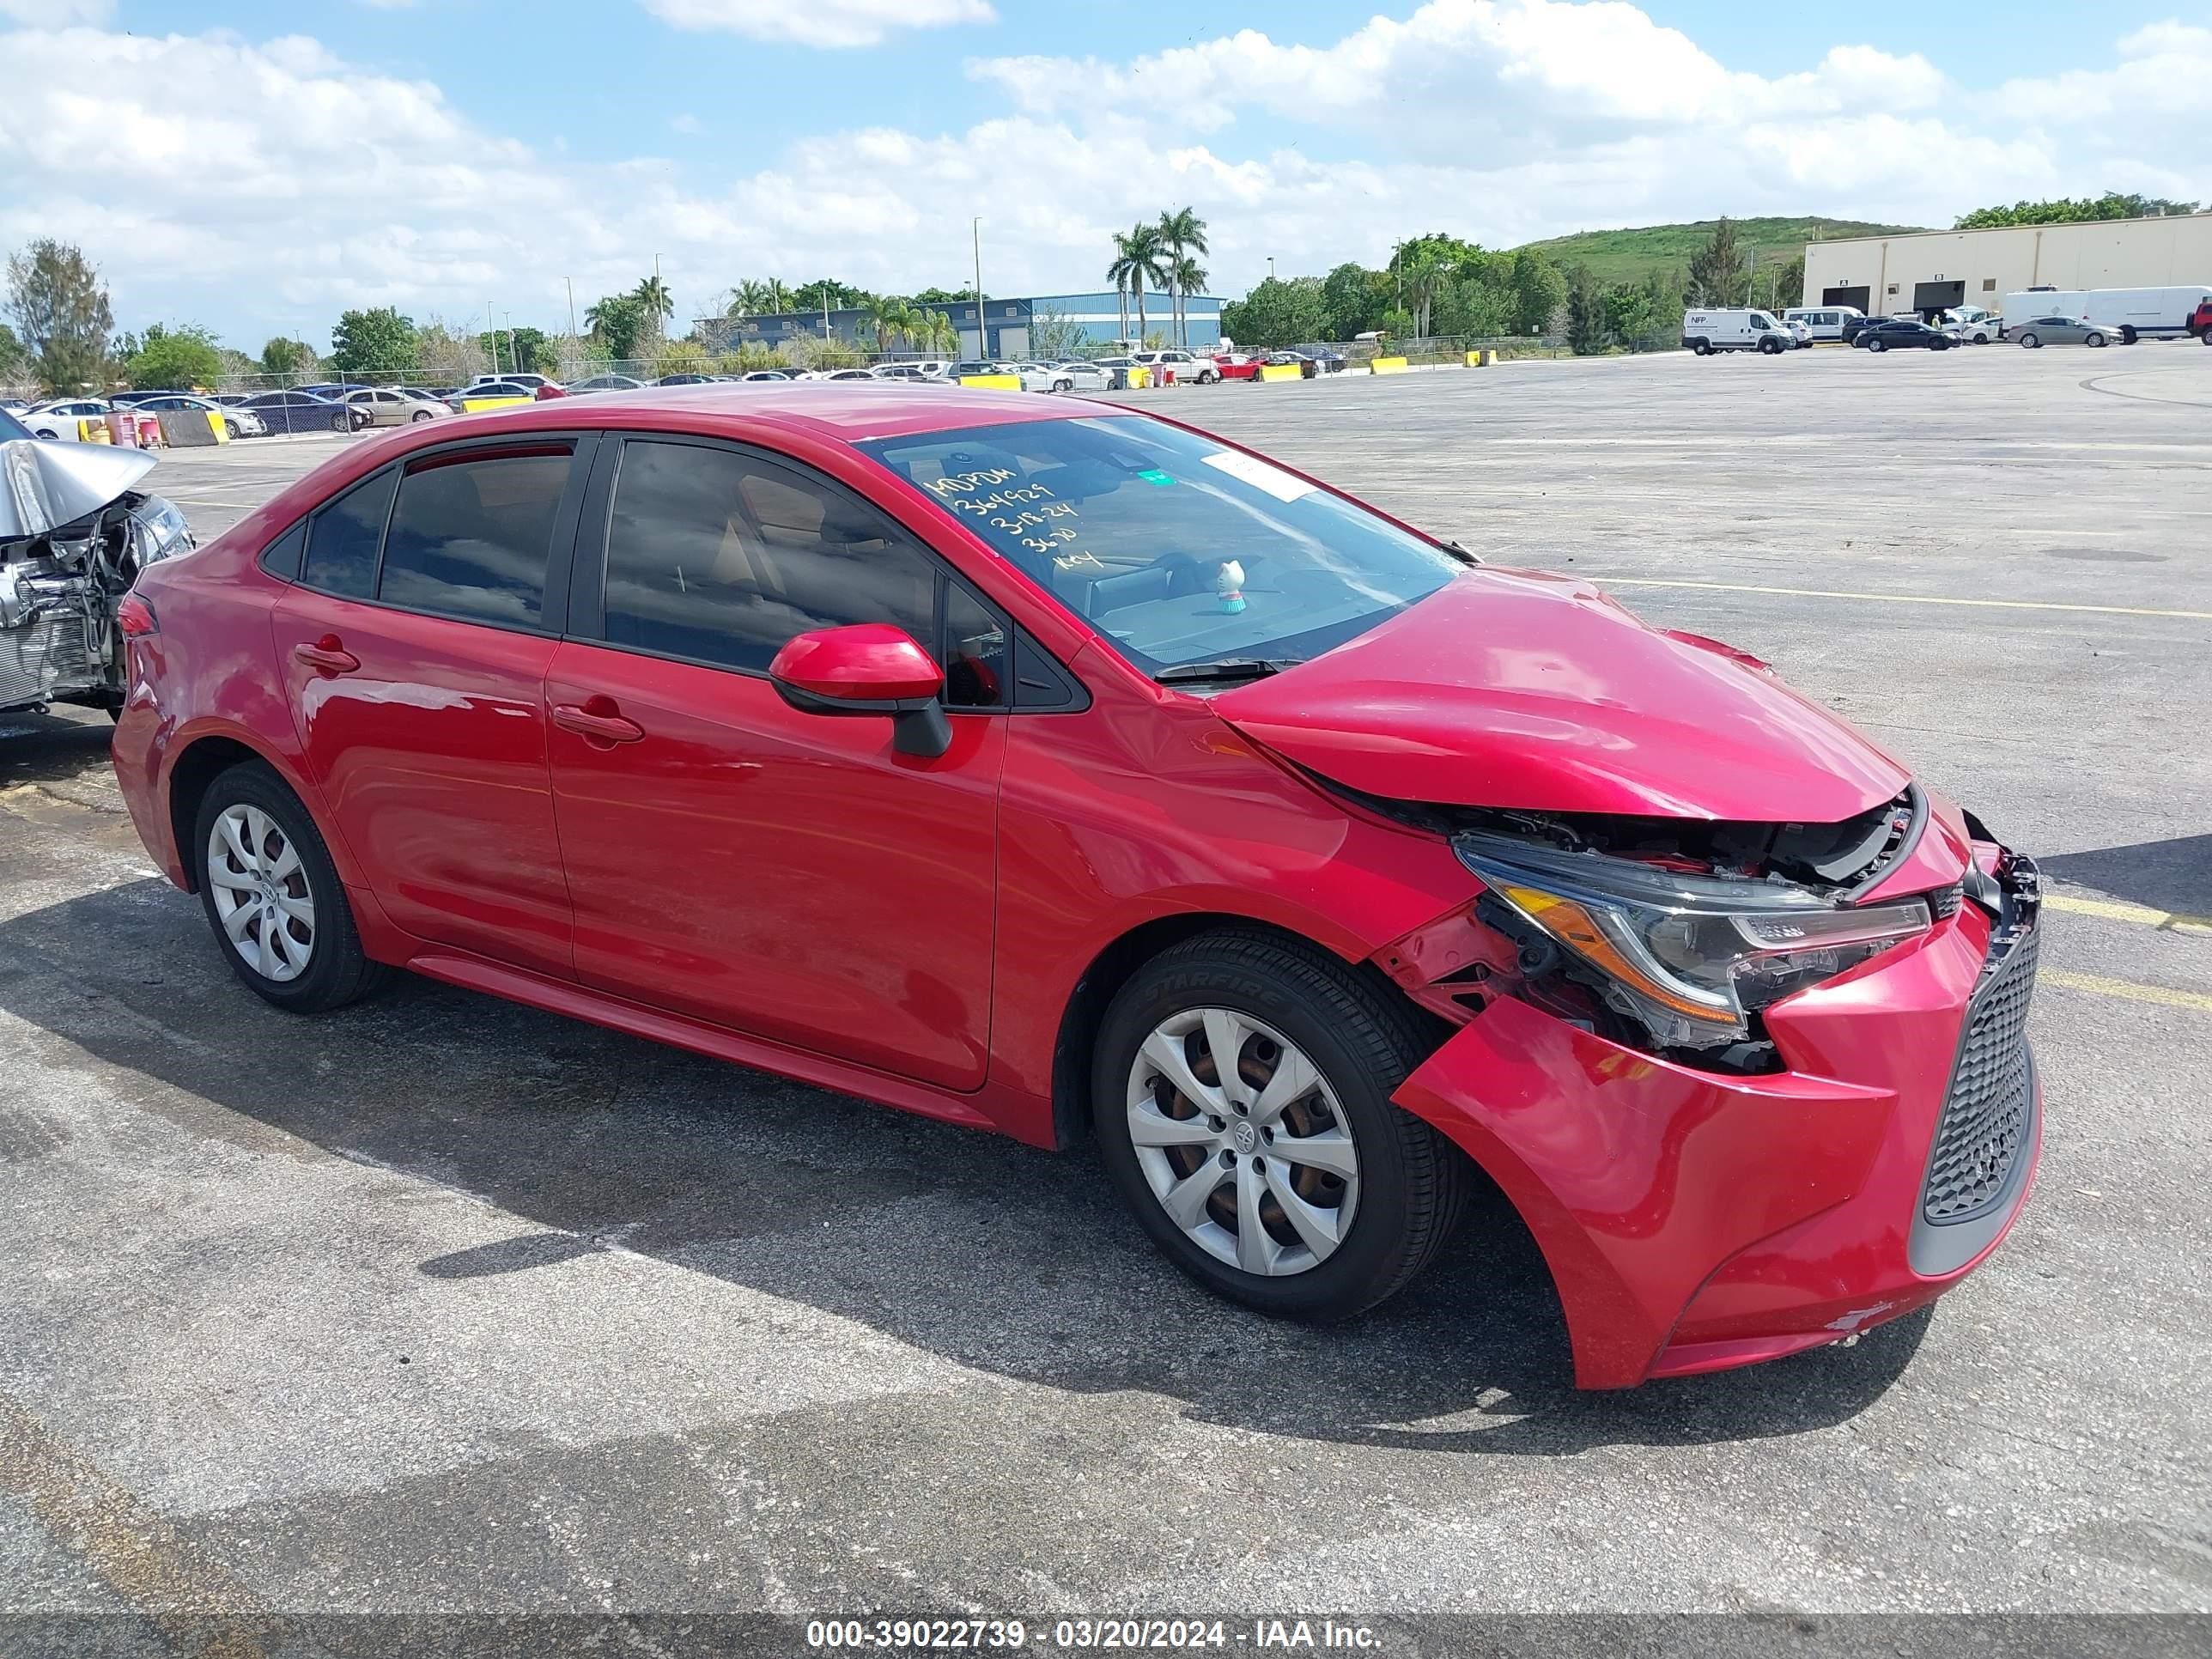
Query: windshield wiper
x,y
1225,668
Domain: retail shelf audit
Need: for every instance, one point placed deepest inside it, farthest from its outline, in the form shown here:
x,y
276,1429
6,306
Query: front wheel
x,y
1242,1097
273,897
2093,340
231,428
340,423
2029,342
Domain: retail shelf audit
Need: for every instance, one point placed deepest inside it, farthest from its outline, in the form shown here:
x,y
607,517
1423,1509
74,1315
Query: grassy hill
x,y
1624,255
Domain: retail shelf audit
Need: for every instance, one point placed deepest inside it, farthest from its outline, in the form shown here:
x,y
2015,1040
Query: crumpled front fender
x,y
1638,1178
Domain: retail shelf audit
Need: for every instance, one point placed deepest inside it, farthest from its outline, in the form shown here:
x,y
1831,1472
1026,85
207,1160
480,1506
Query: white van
x,y
2133,313
1704,331
1825,322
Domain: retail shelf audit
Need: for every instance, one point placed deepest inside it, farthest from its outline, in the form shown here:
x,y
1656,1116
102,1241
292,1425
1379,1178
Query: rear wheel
x,y
273,897
421,414
1877,344
1242,1095
1699,348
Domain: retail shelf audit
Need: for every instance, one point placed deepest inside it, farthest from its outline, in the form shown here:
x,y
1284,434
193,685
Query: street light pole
x,y
491,336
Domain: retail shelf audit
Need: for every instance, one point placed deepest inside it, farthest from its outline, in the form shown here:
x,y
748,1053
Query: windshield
x,y
1178,549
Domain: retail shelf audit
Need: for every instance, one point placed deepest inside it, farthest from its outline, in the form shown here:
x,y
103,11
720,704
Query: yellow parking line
x,y
2143,914
1898,599
2195,1001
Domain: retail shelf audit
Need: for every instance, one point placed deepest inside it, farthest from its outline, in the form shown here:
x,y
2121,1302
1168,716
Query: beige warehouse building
x,y
1927,270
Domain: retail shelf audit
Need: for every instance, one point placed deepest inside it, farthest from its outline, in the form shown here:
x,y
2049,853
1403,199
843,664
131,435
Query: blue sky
x,y
258,166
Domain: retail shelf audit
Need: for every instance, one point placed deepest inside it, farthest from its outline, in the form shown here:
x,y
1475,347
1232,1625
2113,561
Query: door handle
x,y
327,655
597,721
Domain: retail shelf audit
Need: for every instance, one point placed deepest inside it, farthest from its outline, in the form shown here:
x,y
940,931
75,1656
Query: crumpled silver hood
x,y
44,485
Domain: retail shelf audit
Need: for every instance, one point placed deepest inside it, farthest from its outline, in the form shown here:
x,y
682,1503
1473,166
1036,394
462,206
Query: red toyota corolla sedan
x,y
1056,770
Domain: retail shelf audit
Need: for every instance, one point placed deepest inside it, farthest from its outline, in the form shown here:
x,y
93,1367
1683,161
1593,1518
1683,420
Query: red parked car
x,y
1060,771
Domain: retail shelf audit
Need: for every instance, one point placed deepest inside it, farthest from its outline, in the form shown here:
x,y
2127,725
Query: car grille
x,y
1985,1115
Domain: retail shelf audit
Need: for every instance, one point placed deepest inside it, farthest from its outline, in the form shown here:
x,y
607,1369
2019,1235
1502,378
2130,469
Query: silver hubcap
x,y
1242,1142
262,898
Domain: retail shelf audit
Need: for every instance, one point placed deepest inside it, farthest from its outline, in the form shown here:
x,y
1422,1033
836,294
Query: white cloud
x,y
684,122
820,23
305,184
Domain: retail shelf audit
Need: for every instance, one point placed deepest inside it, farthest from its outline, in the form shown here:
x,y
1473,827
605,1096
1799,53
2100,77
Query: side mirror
x,y
867,668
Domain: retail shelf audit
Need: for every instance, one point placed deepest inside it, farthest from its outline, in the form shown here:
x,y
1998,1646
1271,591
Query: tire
x,y
2128,336
1699,348
2094,340
1063,385
2030,343
341,423
231,427
1770,347
272,823
419,416
1877,344
1407,1187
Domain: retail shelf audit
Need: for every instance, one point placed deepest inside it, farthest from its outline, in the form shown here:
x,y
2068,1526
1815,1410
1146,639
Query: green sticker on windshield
x,y
1152,474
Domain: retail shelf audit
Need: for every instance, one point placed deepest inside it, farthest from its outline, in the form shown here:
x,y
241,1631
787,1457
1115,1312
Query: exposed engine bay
x,y
73,539
1666,934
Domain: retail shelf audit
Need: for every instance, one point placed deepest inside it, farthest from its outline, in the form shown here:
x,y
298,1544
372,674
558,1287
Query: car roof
x,y
843,412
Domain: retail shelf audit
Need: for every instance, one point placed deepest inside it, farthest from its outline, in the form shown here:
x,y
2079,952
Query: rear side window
x,y
471,533
342,538
720,557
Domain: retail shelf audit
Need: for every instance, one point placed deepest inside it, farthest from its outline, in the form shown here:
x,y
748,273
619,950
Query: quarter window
x,y
720,557
342,538
470,534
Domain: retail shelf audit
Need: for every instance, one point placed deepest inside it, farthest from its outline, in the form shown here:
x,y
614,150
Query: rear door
x,y
414,647
729,857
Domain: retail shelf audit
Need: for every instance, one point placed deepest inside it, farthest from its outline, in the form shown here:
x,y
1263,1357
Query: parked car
x,y
1801,333
975,366
132,399
1971,326
684,379
297,411
768,374
2200,321
14,406
1171,368
2055,330
899,372
1824,322
1331,360
1077,804
58,418
392,406
1708,331
479,397
239,423
1083,375
1854,325
1901,333
2125,315
1239,365
1044,377
849,374
75,531
1298,359
535,382
605,383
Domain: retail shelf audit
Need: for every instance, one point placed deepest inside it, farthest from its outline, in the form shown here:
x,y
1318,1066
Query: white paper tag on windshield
x,y
1282,486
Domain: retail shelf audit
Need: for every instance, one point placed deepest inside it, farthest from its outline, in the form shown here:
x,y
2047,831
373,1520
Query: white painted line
x,y
1896,599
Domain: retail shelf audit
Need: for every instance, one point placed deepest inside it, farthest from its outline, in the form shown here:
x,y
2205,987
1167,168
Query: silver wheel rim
x,y
1242,1142
263,900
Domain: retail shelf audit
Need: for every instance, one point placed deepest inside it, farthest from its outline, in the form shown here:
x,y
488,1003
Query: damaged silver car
x,y
74,535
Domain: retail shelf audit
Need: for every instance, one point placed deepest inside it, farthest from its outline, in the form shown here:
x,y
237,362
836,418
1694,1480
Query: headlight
x,y
160,530
1691,956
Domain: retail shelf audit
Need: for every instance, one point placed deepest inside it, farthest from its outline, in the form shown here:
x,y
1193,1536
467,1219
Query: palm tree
x,y
775,296
659,304
1139,252
938,333
1184,233
750,298
1187,277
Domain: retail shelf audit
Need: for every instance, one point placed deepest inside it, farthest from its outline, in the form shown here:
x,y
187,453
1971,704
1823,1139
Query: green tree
x,y
618,322
61,311
1140,255
15,361
526,350
1785,282
1351,300
1589,322
281,356
1539,293
182,357
372,342
2064,210
1278,312
943,296
1184,233
1718,273
825,293
658,303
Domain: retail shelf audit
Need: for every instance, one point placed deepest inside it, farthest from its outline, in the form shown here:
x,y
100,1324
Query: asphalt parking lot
x,y
443,1304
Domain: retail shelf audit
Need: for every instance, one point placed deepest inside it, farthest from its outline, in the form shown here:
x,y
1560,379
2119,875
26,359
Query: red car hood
x,y
1511,688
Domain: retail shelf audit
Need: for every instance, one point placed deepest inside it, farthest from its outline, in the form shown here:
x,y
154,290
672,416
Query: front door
x,y
415,659
730,857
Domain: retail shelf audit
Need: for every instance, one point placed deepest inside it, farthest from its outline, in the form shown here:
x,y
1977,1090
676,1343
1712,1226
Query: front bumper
x,y
1694,1221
